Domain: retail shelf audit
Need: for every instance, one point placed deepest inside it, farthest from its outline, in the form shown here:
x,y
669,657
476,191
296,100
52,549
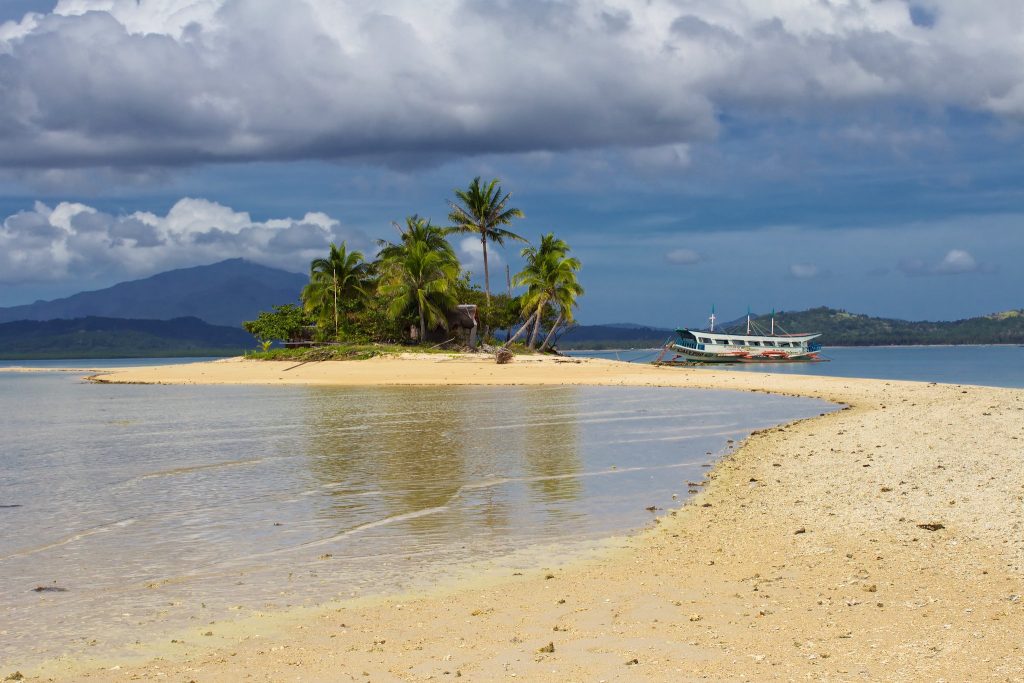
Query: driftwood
x,y
503,356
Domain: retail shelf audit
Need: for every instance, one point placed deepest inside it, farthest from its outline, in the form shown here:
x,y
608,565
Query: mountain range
x,y
94,337
837,328
224,293
198,311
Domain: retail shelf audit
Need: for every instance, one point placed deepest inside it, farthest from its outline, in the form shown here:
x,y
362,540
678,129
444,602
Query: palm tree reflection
x,y
552,455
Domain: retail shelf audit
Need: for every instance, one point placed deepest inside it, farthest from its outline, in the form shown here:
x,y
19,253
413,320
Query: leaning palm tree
x,y
343,275
420,273
549,244
482,210
550,280
567,289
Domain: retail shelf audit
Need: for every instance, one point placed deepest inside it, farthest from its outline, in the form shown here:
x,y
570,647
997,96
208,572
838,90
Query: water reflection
x,y
552,448
302,494
444,460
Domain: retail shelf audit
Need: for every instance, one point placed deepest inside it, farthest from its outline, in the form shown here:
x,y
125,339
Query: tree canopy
x,y
416,281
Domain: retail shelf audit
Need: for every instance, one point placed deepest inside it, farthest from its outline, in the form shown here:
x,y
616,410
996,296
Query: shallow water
x,y
159,507
995,366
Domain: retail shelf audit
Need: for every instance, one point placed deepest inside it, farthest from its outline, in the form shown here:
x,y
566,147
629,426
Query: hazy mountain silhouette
x,y
224,293
95,337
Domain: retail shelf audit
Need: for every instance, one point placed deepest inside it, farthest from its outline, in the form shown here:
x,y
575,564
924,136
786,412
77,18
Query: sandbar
x,y
880,542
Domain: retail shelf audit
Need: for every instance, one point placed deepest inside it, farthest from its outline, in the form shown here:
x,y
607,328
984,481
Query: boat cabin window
x,y
769,343
755,343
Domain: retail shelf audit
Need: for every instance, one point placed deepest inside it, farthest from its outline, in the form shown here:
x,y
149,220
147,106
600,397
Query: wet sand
x,y
882,542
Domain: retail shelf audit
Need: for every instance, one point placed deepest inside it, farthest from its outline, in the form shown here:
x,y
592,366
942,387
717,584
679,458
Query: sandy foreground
x,y
882,542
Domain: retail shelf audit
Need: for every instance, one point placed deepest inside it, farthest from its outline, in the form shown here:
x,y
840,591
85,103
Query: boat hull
x,y
687,355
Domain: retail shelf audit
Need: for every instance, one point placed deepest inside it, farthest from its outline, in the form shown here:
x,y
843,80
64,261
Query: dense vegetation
x,y
837,327
411,291
95,337
840,328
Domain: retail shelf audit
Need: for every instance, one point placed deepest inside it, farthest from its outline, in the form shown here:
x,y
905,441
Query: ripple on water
x,y
154,506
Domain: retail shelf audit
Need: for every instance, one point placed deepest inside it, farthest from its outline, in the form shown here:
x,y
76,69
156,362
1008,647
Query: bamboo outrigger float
x,y
753,346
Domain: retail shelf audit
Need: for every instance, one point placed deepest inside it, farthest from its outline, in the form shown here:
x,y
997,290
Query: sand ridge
x,y
881,542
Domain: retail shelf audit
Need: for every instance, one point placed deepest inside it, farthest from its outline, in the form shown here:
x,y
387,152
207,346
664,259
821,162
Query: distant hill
x,y
614,336
224,293
838,328
94,337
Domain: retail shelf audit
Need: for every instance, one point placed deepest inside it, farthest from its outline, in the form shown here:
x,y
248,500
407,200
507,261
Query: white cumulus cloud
x,y
73,241
471,254
955,262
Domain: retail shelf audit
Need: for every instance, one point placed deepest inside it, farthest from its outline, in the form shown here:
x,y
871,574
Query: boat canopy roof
x,y
717,336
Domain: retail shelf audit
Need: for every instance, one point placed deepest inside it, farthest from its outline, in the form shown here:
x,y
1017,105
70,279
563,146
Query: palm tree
x,y
417,229
482,210
420,272
342,275
550,280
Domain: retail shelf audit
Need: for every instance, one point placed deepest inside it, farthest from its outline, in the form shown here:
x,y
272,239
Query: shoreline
x,y
824,570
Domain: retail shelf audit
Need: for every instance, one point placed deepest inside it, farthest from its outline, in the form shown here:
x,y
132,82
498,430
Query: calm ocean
x,y
996,366
152,507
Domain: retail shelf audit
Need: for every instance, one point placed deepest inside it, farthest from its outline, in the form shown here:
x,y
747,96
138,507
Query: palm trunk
x,y
335,306
487,283
487,272
423,326
558,321
536,327
522,329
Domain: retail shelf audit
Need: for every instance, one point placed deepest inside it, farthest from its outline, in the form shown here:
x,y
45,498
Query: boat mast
x,y
748,319
712,318
773,322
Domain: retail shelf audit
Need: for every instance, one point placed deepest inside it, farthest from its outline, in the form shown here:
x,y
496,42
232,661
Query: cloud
x,y
166,83
661,157
471,254
955,262
70,241
683,257
805,271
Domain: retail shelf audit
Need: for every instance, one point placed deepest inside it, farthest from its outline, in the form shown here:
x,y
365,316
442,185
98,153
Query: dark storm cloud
x,y
141,234
301,236
28,230
180,82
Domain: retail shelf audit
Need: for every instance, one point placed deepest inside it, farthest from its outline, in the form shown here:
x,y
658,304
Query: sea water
x,y
139,510
996,366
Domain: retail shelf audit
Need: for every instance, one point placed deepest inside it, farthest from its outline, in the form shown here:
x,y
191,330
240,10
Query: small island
x,y
417,293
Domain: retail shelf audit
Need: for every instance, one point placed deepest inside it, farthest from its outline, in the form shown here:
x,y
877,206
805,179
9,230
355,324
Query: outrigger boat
x,y
753,346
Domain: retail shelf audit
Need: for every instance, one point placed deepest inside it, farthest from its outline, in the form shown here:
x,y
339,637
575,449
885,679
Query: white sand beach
x,y
880,542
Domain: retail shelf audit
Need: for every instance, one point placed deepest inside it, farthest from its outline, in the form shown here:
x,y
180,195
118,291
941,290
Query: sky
x,y
771,154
